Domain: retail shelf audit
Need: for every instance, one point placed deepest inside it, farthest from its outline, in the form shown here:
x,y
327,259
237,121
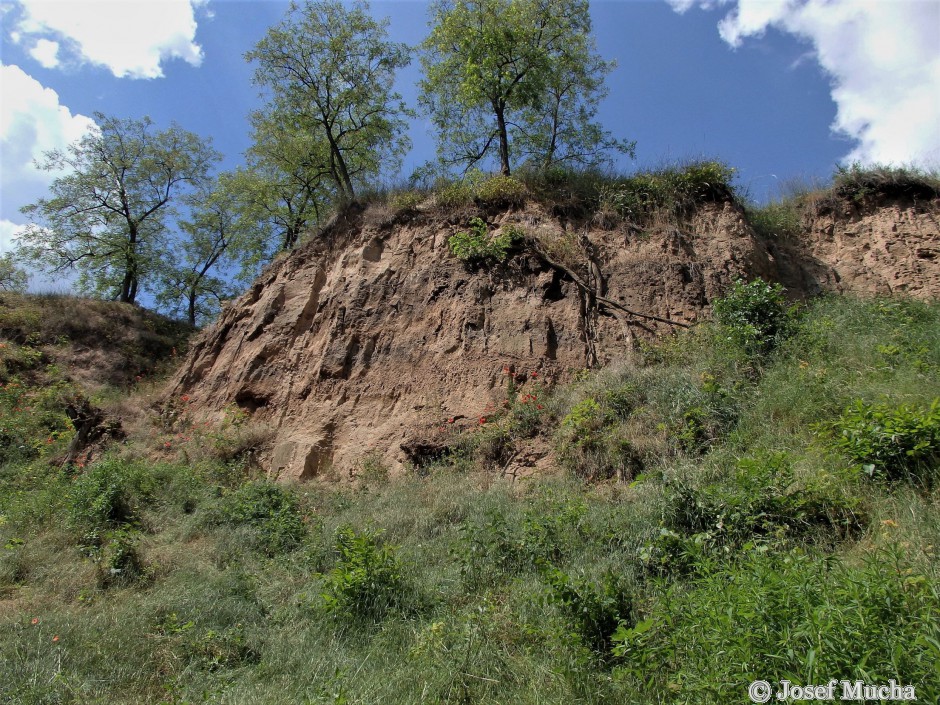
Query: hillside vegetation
x,y
756,499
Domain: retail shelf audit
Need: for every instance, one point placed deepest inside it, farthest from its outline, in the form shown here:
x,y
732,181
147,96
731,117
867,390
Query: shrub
x,y
268,512
405,201
891,443
676,190
501,191
121,562
590,445
595,612
858,183
753,315
107,496
454,196
367,578
478,245
776,221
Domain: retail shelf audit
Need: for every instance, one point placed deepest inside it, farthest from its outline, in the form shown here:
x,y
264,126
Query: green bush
x,y
367,579
121,561
595,612
109,495
267,512
891,443
589,442
405,201
454,196
478,245
501,191
781,220
753,315
675,190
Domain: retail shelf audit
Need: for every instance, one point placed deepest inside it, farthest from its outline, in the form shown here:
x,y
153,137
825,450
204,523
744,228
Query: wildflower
x,y
34,620
534,374
506,370
482,420
450,420
890,523
55,638
539,407
49,439
184,398
167,445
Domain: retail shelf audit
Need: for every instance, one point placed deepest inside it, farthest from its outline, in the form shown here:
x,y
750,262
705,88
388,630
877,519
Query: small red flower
x,y
167,445
539,406
55,638
482,420
534,374
184,398
34,620
450,420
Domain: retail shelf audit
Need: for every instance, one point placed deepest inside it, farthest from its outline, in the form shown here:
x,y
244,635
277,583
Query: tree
x,y
286,182
12,278
329,72
106,216
221,248
500,73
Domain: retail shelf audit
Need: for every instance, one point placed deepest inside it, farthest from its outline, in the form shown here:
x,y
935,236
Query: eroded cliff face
x,y
893,248
374,335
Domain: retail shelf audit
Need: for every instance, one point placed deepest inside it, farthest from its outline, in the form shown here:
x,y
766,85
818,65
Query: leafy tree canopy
x,y
329,71
106,216
517,76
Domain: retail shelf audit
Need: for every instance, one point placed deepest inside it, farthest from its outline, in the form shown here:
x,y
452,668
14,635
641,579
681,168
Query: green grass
x,y
744,543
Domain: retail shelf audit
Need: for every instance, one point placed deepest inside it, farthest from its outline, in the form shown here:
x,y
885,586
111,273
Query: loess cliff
x,y
373,335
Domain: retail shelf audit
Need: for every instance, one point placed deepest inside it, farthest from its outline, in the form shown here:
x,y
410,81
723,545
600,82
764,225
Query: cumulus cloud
x,y
130,38
882,58
32,122
46,52
8,233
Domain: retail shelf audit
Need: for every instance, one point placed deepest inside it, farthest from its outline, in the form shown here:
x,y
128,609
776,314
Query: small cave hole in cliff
x,y
249,401
553,291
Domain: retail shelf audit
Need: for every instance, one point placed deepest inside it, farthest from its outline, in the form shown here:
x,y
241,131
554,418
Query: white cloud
x,y
46,52
883,60
131,38
8,233
32,122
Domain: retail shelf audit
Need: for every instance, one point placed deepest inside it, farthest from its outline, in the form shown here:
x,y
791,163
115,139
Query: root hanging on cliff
x,y
592,296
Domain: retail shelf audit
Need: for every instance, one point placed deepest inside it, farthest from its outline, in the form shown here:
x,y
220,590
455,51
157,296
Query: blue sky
x,y
779,89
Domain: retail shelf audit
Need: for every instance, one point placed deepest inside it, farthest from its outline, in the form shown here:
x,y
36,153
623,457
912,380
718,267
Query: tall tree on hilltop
x,y
106,216
287,180
330,71
501,74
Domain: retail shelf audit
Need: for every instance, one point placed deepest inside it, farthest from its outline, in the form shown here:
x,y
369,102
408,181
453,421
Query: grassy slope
x,y
748,547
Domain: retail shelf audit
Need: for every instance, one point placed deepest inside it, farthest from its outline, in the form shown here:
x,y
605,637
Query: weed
x,y
268,513
890,443
754,315
477,246
367,580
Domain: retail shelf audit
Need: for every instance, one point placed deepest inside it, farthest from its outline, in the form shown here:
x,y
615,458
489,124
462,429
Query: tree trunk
x,y
341,173
503,139
192,307
129,284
